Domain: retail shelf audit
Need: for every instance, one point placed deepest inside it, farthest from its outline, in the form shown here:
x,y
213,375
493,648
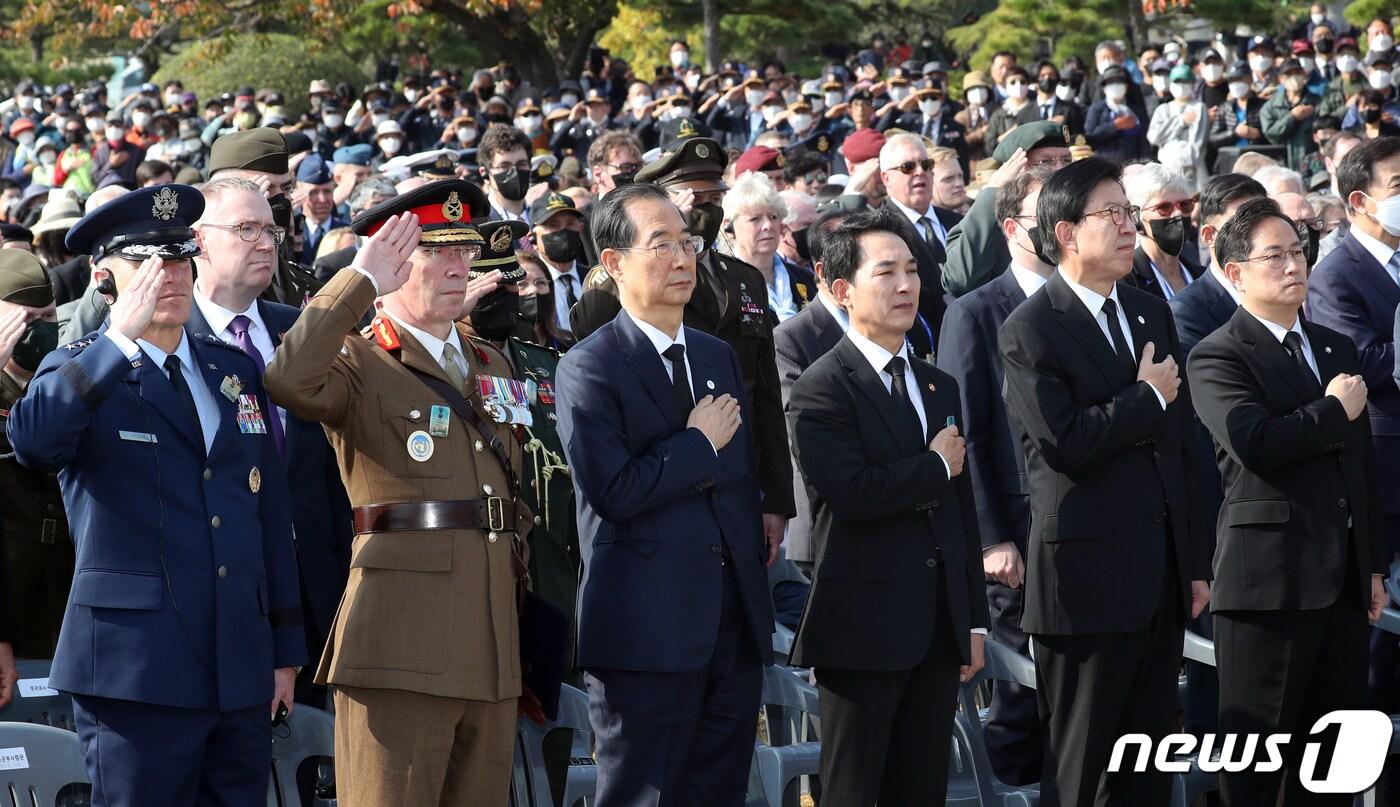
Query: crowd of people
x,y
453,389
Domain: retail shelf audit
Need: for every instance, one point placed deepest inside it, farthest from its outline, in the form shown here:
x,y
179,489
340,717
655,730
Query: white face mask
x,y
676,112
140,119
334,121
1064,92
1260,64
833,98
680,58
1212,72
1388,214
1017,89
172,99
1104,64
1159,83
568,99
770,112
1348,63
1317,18
1381,43
977,96
26,138
411,95
390,145
931,107
1182,91
1380,79
898,94
1295,84
817,103
466,134
379,118
529,124
1239,89
640,101
800,122
96,125
114,134
1115,91
48,158
754,97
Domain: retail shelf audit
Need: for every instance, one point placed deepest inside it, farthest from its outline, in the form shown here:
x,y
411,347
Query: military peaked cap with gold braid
x,y
499,250
445,209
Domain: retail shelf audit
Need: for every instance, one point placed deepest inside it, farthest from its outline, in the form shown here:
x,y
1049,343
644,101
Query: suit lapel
x,y
868,381
1371,270
644,361
1329,361
158,393
828,329
923,374
1271,353
413,354
213,372
1009,293
1075,318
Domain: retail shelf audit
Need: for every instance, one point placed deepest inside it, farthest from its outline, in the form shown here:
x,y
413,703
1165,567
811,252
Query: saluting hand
x,y
1162,375
133,310
479,287
385,254
13,322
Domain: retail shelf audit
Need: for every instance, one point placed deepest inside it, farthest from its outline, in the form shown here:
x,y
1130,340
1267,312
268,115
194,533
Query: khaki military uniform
x,y
424,652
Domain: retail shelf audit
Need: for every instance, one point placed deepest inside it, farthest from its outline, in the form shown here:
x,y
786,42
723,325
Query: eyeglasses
x,y
1278,260
1164,210
666,250
1052,162
250,232
465,254
1119,213
523,165
626,168
1314,223
908,166
818,178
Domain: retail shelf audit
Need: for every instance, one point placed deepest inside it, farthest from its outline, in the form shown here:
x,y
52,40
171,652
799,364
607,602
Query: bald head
x,y
1295,206
102,196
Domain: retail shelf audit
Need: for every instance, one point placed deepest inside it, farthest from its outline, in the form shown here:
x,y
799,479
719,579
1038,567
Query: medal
x,y
231,387
255,479
420,446
438,421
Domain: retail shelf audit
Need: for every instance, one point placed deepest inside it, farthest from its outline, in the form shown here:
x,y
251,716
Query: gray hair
x,y
797,203
1151,181
368,189
896,143
613,227
754,191
228,184
1277,178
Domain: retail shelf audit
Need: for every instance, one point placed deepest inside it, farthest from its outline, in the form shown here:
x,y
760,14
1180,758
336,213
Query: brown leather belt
x,y
490,513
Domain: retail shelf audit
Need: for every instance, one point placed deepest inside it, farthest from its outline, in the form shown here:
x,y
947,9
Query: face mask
x,y
1182,91
1388,214
390,145
676,112
530,124
334,121
977,96
1308,63
931,108
680,59
1371,114
27,138
898,94
754,97
833,98
48,157
411,95
512,183
1380,79
790,97
172,99
1159,83
799,242
640,101
562,246
1017,90
771,112
568,99
1047,85
465,134
379,118
246,120
72,138
494,317
1104,64
1324,46
1381,43
1260,64
1347,63
114,135
140,119
529,309
1295,84
96,125
801,122
704,221
1170,234
1064,92
1239,89
1038,245
1115,92
1310,239
39,340
1317,18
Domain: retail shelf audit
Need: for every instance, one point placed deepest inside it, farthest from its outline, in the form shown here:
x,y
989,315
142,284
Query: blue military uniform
x,y
184,599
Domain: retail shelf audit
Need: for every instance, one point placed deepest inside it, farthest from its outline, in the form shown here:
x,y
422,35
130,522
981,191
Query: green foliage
x,y
16,62
1361,12
1030,28
370,33
1262,15
287,63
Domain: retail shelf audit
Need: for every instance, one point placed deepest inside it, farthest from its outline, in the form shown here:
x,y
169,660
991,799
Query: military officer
x,y
37,546
424,652
730,301
183,631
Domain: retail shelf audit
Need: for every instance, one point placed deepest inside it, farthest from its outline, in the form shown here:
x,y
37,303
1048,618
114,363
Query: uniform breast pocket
x,y
407,427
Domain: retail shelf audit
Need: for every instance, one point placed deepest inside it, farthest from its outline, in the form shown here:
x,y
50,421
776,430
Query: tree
x,y
1058,28
265,61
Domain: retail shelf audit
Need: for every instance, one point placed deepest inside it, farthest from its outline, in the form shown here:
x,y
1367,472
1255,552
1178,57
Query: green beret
x,y
23,280
1037,134
260,149
695,159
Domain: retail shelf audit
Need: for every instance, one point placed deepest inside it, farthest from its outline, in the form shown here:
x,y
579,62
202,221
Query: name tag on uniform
x,y
250,419
438,420
137,437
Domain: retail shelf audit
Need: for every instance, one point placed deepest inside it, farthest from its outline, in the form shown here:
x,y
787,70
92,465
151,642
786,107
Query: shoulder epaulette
x,y
81,344
382,331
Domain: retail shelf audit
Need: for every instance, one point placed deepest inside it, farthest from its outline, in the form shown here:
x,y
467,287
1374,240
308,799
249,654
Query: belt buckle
x,y
496,513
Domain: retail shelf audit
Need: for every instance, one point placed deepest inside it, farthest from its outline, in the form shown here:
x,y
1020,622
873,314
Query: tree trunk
x,y
1137,27
36,46
710,9
509,33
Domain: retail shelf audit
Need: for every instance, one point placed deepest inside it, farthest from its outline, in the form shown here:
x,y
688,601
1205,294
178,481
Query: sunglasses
x,y
909,166
1165,209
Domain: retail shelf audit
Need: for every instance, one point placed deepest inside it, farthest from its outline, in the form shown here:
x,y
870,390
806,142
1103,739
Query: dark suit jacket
x,y
1200,309
1351,293
1141,277
656,506
1296,471
70,279
945,131
930,256
1108,466
799,342
885,518
321,516
995,462
327,265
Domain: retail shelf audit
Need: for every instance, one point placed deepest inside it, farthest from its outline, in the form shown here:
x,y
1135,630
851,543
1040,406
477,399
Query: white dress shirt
x,y
837,312
662,342
1030,282
1229,287
1094,302
204,402
1280,332
930,215
220,318
1381,252
560,279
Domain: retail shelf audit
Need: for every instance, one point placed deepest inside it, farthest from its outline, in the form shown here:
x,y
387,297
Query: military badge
x,y
420,446
166,204
250,418
230,387
255,480
438,421
452,208
500,241
823,145
505,399
385,334
687,129
702,151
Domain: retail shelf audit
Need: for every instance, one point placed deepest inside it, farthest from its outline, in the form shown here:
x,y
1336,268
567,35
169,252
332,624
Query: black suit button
x,y
1341,504
715,550
1158,518
930,563
935,504
1157,455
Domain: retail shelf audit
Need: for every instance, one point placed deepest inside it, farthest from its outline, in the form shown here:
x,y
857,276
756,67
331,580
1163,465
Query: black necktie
x,y
182,391
1293,343
899,391
680,379
1115,332
570,296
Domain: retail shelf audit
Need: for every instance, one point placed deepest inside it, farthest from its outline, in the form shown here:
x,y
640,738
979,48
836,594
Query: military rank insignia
x,y
255,480
250,417
505,399
384,334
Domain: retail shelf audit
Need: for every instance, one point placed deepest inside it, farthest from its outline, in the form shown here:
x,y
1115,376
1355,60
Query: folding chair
x,y
530,781
787,700
1195,783
309,733
971,779
41,765
34,702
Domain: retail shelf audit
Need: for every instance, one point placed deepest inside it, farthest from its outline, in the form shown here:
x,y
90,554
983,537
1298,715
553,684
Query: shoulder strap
x,y
464,410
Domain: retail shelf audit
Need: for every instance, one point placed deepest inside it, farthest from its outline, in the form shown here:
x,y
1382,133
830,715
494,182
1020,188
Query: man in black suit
x,y
897,613
1115,561
232,273
907,173
997,465
1302,538
799,342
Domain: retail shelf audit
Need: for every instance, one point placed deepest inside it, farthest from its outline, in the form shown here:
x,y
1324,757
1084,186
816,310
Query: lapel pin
x,y
1141,321
212,367
1327,350
709,385
932,388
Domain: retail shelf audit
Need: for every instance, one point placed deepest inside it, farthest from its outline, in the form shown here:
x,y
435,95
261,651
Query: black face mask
x,y
624,178
1324,46
799,240
1371,114
74,138
512,182
39,340
562,246
529,312
497,117
704,221
1310,238
494,317
1033,234
1170,234
1047,85
282,217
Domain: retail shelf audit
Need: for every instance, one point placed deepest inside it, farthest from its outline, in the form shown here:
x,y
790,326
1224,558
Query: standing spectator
x,y
906,171
1016,109
1260,58
316,190
1236,122
754,213
975,117
1114,126
557,234
1183,121
115,156
504,157
1288,115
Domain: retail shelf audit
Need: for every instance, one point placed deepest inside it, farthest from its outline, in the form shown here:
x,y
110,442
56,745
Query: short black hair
x,y
1013,193
612,223
802,163
1066,193
1356,170
817,230
1235,239
1225,190
841,247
